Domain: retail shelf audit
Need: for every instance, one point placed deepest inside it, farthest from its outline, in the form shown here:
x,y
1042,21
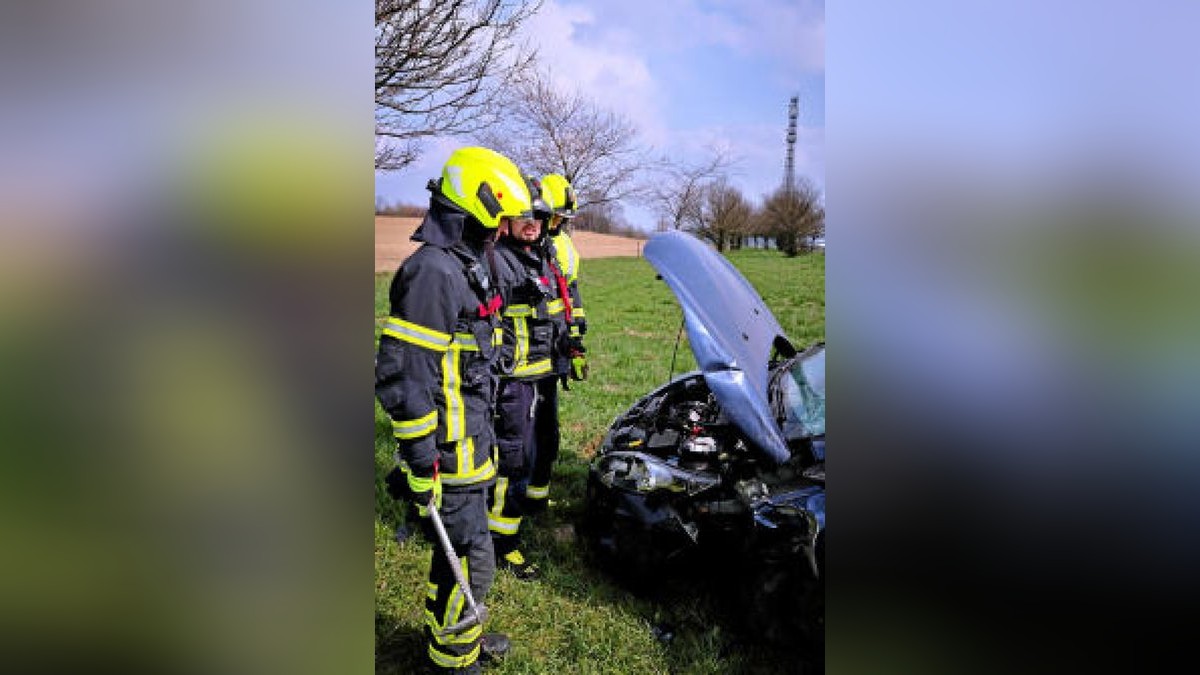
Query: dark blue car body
x,y
726,462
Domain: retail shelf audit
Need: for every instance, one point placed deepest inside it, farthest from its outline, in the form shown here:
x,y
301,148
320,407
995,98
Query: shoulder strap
x,y
560,281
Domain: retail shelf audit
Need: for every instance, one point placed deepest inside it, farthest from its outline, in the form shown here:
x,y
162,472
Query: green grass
x,y
574,619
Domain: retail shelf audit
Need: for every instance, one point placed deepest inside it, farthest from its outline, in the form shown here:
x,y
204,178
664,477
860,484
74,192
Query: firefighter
x,y
534,331
571,361
434,376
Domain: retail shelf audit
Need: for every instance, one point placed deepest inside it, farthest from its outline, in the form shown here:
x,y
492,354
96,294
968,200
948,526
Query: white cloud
x,y
597,63
790,33
598,50
620,53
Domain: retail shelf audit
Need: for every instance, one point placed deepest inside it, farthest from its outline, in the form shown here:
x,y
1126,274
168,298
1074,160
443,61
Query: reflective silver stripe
x,y
407,331
415,428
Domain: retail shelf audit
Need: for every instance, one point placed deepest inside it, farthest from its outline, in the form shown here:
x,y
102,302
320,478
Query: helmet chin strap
x,y
489,253
475,233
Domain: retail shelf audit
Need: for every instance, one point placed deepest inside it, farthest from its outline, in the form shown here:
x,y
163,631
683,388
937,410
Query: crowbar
x,y
479,613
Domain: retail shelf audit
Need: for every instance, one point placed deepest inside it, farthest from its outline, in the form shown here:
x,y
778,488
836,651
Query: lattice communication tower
x,y
789,167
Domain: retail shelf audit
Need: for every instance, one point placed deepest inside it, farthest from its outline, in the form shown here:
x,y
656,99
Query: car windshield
x,y
801,395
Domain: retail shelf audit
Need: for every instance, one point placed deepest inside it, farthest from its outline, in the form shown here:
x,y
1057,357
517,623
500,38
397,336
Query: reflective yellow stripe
x,y
535,368
465,342
431,592
555,306
447,661
454,605
521,329
481,473
497,336
496,520
466,456
513,311
532,492
466,637
407,331
504,525
577,313
567,256
415,428
418,484
501,494
455,420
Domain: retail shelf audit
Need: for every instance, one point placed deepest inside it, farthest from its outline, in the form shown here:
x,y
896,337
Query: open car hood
x,y
730,330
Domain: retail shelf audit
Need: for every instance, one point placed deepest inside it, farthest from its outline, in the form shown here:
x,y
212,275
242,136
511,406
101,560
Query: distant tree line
x,y
386,208
460,69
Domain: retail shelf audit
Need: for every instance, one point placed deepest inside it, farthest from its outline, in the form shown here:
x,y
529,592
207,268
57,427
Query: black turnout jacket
x,y
434,371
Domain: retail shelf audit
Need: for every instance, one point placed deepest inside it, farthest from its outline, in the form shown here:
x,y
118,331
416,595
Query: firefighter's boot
x,y
493,647
516,563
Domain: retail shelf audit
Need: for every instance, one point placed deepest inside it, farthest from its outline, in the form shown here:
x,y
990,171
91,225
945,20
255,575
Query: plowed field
x,y
392,243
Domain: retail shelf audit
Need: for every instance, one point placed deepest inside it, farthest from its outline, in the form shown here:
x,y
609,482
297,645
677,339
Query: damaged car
x,y
723,466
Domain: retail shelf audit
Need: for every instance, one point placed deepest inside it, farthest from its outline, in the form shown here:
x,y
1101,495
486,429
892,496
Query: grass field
x,y
573,619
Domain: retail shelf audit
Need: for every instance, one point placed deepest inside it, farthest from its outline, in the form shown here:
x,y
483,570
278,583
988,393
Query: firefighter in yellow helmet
x,y
572,361
435,377
534,339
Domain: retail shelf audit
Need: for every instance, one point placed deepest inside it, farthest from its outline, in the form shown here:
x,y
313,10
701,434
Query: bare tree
x,y
438,67
604,218
679,195
548,131
793,215
725,215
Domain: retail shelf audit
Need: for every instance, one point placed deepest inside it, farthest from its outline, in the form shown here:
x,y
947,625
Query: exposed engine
x,y
674,477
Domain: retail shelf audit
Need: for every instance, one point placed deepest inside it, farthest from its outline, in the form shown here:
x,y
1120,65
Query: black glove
x,y
397,484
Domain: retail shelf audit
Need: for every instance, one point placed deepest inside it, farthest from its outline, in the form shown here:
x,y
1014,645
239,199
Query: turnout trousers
x,y
514,437
546,441
464,513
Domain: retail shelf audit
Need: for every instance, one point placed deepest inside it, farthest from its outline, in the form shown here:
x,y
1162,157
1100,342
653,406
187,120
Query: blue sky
x,y
688,73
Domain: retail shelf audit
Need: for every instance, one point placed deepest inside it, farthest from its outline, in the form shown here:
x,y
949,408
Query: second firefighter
x,y
534,332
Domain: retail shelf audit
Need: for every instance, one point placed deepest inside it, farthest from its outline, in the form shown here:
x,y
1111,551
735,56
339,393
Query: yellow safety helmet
x,y
541,206
485,184
557,192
